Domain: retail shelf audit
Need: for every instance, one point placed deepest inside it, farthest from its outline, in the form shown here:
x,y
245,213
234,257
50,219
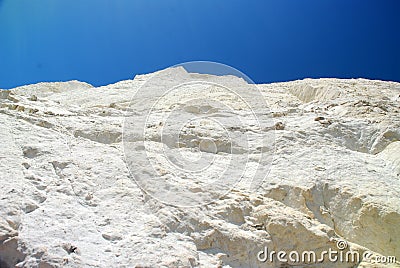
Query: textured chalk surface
x,y
68,199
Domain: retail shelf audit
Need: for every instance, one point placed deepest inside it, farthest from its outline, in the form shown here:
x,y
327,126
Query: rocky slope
x,y
68,197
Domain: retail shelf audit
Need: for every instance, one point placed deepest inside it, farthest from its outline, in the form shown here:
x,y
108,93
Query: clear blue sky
x,y
101,41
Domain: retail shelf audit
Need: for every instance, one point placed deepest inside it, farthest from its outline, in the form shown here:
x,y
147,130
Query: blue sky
x,y
102,42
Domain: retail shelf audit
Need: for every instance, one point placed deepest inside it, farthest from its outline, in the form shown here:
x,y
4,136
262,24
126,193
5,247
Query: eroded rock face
x,y
69,200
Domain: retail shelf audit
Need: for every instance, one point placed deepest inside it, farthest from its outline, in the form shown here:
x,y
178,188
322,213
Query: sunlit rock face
x,y
69,199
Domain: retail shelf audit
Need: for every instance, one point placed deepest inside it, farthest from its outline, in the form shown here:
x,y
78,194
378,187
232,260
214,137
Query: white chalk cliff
x,y
69,199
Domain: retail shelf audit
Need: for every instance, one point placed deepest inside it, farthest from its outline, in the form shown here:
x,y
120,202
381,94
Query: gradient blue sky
x,y
101,42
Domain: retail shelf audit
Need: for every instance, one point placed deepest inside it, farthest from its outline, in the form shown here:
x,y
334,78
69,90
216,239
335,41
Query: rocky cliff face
x,y
69,196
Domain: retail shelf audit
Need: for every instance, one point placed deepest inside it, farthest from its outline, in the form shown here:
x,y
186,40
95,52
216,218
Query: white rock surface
x,y
67,198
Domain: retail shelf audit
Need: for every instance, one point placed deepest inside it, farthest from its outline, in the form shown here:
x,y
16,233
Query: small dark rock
x,y
70,248
279,126
33,98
